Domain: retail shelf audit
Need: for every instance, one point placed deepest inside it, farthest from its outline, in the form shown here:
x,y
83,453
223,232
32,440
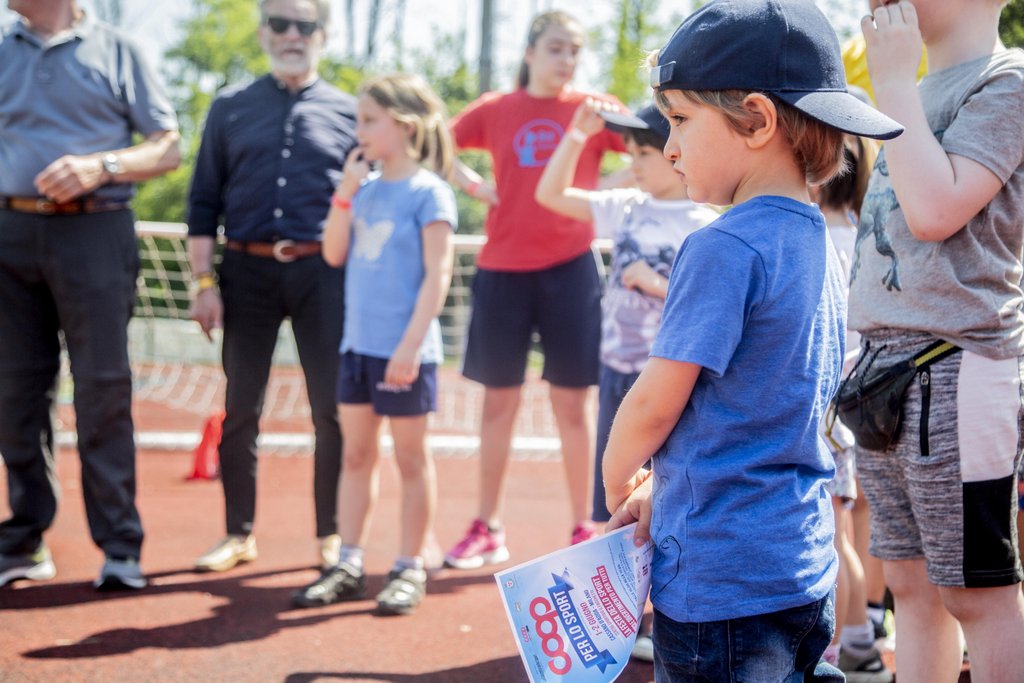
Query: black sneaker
x,y
120,573
337,584
37,566
404,591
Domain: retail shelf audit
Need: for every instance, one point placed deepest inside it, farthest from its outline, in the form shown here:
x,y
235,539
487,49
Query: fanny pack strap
x,y
932,354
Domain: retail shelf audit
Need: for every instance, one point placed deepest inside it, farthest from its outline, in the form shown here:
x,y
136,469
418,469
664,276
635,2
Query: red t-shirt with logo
x,y
521,132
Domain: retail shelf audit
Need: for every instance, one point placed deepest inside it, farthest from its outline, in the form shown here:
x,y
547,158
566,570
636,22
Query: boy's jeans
x,y
781,646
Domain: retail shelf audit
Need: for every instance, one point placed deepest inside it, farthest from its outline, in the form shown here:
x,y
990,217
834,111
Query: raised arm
x,y
938,192
338,227
554,190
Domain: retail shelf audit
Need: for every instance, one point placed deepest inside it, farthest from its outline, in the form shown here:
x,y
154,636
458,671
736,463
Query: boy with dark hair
x,y
749,353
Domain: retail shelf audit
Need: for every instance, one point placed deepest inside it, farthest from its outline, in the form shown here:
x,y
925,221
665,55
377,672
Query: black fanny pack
x,y
870,400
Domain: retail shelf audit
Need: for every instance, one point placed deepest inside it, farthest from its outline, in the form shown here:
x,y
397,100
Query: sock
x,y
351,554
858,640
494,528
409,562
876,612
831,654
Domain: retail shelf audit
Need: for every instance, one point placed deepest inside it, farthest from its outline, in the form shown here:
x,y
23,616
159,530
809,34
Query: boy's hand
x,y
639,275
587,117
636,508
894,44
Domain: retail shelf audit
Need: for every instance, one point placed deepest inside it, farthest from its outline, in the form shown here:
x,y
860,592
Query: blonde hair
x,y
818,148
409,100
540,24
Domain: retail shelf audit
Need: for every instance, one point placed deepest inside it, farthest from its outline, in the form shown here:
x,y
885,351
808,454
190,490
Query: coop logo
x,y
546,621
536,141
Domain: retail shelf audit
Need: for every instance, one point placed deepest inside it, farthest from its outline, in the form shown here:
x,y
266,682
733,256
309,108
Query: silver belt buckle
x,y
46,207
279,248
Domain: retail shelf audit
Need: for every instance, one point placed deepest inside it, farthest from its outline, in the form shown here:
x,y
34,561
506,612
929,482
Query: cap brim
x,y
845,112
620,122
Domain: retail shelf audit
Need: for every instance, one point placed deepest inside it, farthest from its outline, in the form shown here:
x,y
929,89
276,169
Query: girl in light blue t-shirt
x,y
393,231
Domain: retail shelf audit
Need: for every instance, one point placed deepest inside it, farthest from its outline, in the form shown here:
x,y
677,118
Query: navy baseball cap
x,y
783,47
648,118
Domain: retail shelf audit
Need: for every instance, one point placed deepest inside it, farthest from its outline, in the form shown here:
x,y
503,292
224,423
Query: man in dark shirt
x,y
271,155
73,91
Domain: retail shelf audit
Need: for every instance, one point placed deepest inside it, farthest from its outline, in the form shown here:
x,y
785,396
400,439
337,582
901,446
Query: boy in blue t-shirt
x,y
749,353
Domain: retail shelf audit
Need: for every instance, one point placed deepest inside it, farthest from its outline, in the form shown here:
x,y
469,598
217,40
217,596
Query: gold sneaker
x,y
330,551
227,553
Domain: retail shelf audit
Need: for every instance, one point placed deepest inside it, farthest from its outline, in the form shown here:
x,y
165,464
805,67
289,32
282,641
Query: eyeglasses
x,y
281,25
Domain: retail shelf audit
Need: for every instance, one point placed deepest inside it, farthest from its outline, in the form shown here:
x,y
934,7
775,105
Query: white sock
x,y
351,554
858,639
876,614
409,562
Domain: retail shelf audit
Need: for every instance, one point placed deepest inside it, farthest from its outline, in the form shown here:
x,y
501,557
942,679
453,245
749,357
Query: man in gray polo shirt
x,y
72,93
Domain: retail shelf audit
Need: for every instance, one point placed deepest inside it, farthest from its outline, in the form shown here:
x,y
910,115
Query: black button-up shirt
x,y
269,161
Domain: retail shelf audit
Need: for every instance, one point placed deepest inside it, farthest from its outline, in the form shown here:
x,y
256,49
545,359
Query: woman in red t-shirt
x,y
535,273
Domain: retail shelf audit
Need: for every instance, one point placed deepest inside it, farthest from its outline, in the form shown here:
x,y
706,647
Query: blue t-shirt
x,y
742,522
385,262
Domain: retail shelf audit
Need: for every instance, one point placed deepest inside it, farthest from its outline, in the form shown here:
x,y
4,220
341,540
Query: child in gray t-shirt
x,y
939,257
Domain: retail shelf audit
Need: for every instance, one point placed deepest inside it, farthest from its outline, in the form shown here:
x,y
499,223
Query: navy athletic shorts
x,y
561,303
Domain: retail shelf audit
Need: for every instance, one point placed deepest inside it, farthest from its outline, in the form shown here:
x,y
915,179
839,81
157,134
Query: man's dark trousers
x,y
258,294
76,275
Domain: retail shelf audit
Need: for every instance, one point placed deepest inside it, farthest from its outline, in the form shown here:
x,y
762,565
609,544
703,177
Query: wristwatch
x,y
203,281
112,165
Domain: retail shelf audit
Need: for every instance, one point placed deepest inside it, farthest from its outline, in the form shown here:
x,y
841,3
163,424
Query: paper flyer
x,y
575,612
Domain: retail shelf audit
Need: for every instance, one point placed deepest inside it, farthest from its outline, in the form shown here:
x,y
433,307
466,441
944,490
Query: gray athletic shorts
x,y
947,489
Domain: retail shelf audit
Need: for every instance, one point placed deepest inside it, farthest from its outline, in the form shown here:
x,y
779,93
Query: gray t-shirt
x,y
965,289
83,92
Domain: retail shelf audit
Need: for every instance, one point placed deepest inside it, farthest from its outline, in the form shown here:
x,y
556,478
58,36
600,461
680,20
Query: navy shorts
x,y
361,380
562,303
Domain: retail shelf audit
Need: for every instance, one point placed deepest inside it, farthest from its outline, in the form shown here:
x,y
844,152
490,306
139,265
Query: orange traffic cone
x,y
206,463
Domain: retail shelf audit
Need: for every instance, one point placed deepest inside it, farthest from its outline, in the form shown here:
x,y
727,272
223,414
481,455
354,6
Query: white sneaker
x,y
643,648
227,553
37,566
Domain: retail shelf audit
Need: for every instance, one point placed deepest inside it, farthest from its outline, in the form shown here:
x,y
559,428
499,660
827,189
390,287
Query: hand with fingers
x,y
636,508
893,41
70,177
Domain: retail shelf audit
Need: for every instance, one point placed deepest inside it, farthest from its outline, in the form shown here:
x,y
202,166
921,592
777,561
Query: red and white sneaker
x,y
584,531
478,547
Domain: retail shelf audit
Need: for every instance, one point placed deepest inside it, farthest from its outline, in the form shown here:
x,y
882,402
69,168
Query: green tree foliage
x,y
1011,24
634,36
219,47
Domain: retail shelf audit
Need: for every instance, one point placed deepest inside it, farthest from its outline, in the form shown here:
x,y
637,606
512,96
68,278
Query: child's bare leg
x,y
874,579
360,478
928,641
419,482
576,429
993,623
501,404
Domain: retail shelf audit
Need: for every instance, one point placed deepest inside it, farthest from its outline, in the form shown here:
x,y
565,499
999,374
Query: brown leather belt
x,y
284,251
46,207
